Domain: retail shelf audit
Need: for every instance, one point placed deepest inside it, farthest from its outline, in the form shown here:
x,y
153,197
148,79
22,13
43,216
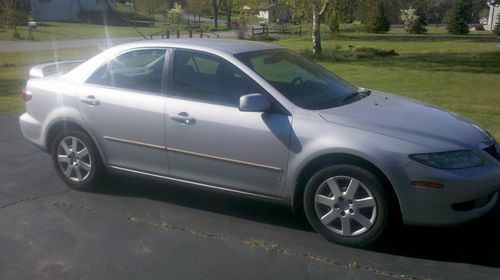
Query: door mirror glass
x,y
254,102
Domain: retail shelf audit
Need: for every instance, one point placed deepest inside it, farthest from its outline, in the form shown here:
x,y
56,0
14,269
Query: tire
x,y
80,170
347,205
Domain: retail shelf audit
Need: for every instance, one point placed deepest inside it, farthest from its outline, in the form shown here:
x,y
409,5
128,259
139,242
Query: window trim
x,y
162,90
169,90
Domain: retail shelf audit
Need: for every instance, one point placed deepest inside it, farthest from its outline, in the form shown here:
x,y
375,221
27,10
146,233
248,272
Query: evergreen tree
x,y
380,22
418,25
456,18
497,26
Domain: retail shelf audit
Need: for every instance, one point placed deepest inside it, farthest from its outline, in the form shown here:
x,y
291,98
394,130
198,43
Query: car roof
x,y
225,45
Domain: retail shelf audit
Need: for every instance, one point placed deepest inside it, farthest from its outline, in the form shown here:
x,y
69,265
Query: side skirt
x,y
162,177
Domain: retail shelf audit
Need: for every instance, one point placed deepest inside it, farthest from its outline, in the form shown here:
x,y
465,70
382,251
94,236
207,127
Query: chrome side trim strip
x,y
277,169
225,159
192,183
134,142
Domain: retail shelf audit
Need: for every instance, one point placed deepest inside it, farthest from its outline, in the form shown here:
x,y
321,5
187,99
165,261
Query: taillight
x,y
26,95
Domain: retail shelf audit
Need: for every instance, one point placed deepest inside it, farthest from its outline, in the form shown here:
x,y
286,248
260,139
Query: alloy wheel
x,y
74,159
345,206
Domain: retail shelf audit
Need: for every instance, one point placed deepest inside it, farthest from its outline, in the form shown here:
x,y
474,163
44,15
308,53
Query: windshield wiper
x,y
361,93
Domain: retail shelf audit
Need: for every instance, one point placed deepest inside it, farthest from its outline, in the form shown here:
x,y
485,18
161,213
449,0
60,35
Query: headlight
x,y
448,160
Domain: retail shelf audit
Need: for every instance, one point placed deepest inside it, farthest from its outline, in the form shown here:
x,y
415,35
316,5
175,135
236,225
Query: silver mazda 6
x,y
258,120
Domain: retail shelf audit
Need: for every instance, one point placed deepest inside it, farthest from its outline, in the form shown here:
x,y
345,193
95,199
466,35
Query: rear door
x,y
123,104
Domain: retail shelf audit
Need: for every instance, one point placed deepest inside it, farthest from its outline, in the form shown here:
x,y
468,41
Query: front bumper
x,y
467,193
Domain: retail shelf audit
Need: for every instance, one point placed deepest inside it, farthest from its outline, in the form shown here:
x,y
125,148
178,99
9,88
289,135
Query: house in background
x,y
493,16
278,13
67,10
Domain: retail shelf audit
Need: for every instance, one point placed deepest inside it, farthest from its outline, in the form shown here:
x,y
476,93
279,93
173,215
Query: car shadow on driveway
x,y
476,242
202,199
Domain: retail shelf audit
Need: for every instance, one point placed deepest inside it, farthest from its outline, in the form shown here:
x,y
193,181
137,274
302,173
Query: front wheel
x,y
76,159
347,205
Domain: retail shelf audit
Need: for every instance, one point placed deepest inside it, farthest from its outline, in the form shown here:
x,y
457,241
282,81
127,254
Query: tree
x,y
379,23
215,11
415,19
408,16
333,18
417,26
198,8
318,10
497,26
315,10
11,15
456,18
175,14
228,8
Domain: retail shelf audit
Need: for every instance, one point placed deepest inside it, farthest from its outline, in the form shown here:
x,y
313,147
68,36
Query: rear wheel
x,y
347,205
76,159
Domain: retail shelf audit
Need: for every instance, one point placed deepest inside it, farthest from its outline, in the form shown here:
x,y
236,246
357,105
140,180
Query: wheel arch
x,y
330,159
65,125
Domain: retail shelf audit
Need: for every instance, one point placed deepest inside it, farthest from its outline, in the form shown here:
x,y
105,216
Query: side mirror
x,y
254,102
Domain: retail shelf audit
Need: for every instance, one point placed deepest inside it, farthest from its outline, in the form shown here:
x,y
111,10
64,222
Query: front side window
x,y
136,70
306,84
209,78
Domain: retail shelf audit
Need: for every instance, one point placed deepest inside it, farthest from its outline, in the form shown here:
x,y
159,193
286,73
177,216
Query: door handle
x,y
182,117
89,100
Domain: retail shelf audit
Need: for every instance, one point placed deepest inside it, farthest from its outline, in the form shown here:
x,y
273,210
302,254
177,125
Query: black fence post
x,y
178,33
201,33
190,33
168,34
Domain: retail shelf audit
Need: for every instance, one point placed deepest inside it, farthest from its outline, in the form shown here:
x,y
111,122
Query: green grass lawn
x,y
55,31
461,75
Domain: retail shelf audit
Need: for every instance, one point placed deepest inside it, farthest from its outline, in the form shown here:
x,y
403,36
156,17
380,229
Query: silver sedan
x,y
258,120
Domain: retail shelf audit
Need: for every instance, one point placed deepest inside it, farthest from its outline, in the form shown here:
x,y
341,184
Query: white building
x,y
66,10
493,16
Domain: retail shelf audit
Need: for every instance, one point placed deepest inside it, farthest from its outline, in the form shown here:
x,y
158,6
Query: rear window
x,y
136,70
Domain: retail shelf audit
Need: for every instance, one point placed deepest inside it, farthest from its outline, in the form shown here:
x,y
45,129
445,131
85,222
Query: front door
x,y
124,105
210,141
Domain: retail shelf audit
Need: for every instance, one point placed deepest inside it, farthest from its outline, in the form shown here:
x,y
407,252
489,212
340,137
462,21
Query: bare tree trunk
x,y
215,9
228,11
316,36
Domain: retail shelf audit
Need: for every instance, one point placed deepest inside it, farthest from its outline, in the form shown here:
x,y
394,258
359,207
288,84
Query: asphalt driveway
x,y
137,229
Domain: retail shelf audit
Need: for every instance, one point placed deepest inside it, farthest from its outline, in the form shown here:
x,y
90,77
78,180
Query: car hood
x,y
408,120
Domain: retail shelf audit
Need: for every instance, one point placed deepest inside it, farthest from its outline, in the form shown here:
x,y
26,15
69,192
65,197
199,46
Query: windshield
x,y
306,84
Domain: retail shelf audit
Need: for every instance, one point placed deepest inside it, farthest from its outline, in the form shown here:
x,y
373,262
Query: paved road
x,y
21,46
138,229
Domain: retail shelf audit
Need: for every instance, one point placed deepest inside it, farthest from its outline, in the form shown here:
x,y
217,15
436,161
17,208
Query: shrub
x,y
351,53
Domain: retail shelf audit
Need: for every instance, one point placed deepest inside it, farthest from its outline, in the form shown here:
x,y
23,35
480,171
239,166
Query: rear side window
x,y
210,78
136,70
